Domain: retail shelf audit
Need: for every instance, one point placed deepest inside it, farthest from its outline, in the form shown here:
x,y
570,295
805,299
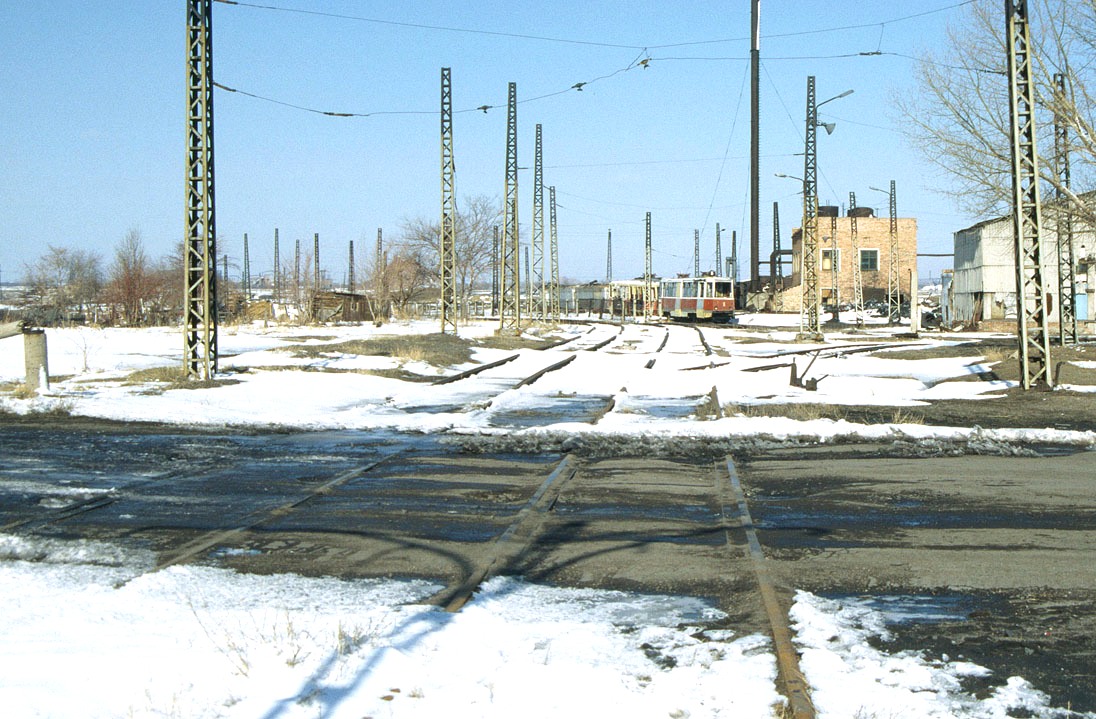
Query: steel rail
x,y
790,679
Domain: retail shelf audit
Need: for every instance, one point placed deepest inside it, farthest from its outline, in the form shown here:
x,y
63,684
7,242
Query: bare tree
x,y
406,277
476,218
63,282
132,280
959,114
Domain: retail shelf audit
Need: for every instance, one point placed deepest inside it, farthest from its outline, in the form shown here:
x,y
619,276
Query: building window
x,y
827,261
869,260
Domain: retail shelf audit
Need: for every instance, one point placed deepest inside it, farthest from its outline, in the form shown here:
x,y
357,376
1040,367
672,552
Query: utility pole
x,y
734,257
718,249
647,273
276,280
538,305
834,276
528,282
609,259
496,257
1031,314
696,253
755,142
810,327
247,271
448,209
350,269
200,324
776,264
510,312
1067,312
894,276
553,297
857,277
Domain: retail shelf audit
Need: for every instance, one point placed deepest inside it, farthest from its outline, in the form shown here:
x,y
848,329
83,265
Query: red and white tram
x,y
698,298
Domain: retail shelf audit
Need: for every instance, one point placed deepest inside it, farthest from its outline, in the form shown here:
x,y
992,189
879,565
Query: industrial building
x,y
835,247
983,286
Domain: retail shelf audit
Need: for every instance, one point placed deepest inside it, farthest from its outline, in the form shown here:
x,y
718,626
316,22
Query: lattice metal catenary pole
x,y
537,300
553,296
835,264
647,273
609,259
1031,314
350,268
696,253
1067,311
718,249
510,311
894,267
200,281
247,270
776,263
810,325
496,259
857,277
448,238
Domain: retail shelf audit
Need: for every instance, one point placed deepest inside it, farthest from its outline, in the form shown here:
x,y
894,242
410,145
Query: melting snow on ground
x,y
90,631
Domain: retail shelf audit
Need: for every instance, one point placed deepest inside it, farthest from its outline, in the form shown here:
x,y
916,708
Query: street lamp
x,y
894,277
810,327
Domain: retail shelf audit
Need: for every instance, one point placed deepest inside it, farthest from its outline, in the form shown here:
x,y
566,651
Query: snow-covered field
x,y
270,386
88,630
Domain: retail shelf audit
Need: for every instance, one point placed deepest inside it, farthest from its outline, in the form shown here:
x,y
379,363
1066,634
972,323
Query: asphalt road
x,y
996,554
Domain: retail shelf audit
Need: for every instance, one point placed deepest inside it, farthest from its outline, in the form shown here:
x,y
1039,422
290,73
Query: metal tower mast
x,y
835,289
718,249
538,304
350,269
553,297
510,312
647,274
247,270
894,273
857,277
696,253
448,209
810,326
277,270
776,263
297,272
755,142
200,324
734,256
1067,312
528,282
495,258
1027,220
316,259
609,259
378,266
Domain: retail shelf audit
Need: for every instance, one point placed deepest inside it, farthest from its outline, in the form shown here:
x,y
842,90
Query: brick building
x,y
873,235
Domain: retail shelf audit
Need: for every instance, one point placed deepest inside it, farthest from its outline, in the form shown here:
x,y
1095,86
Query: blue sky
x,y
93,111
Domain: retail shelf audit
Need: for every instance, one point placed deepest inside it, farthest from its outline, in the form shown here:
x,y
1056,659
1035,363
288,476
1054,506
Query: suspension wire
x,y
726,152
591,43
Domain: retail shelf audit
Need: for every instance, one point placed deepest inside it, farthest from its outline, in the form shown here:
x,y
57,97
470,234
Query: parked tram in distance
x,y
698,298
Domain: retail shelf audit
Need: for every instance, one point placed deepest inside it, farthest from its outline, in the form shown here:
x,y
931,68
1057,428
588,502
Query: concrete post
x,y
915,308
34,350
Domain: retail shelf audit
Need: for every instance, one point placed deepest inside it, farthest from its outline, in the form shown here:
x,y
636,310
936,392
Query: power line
x,y
591,43
641,60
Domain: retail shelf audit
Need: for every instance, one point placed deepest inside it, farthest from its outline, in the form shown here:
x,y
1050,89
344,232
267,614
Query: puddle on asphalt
x,y
556,410
902,609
